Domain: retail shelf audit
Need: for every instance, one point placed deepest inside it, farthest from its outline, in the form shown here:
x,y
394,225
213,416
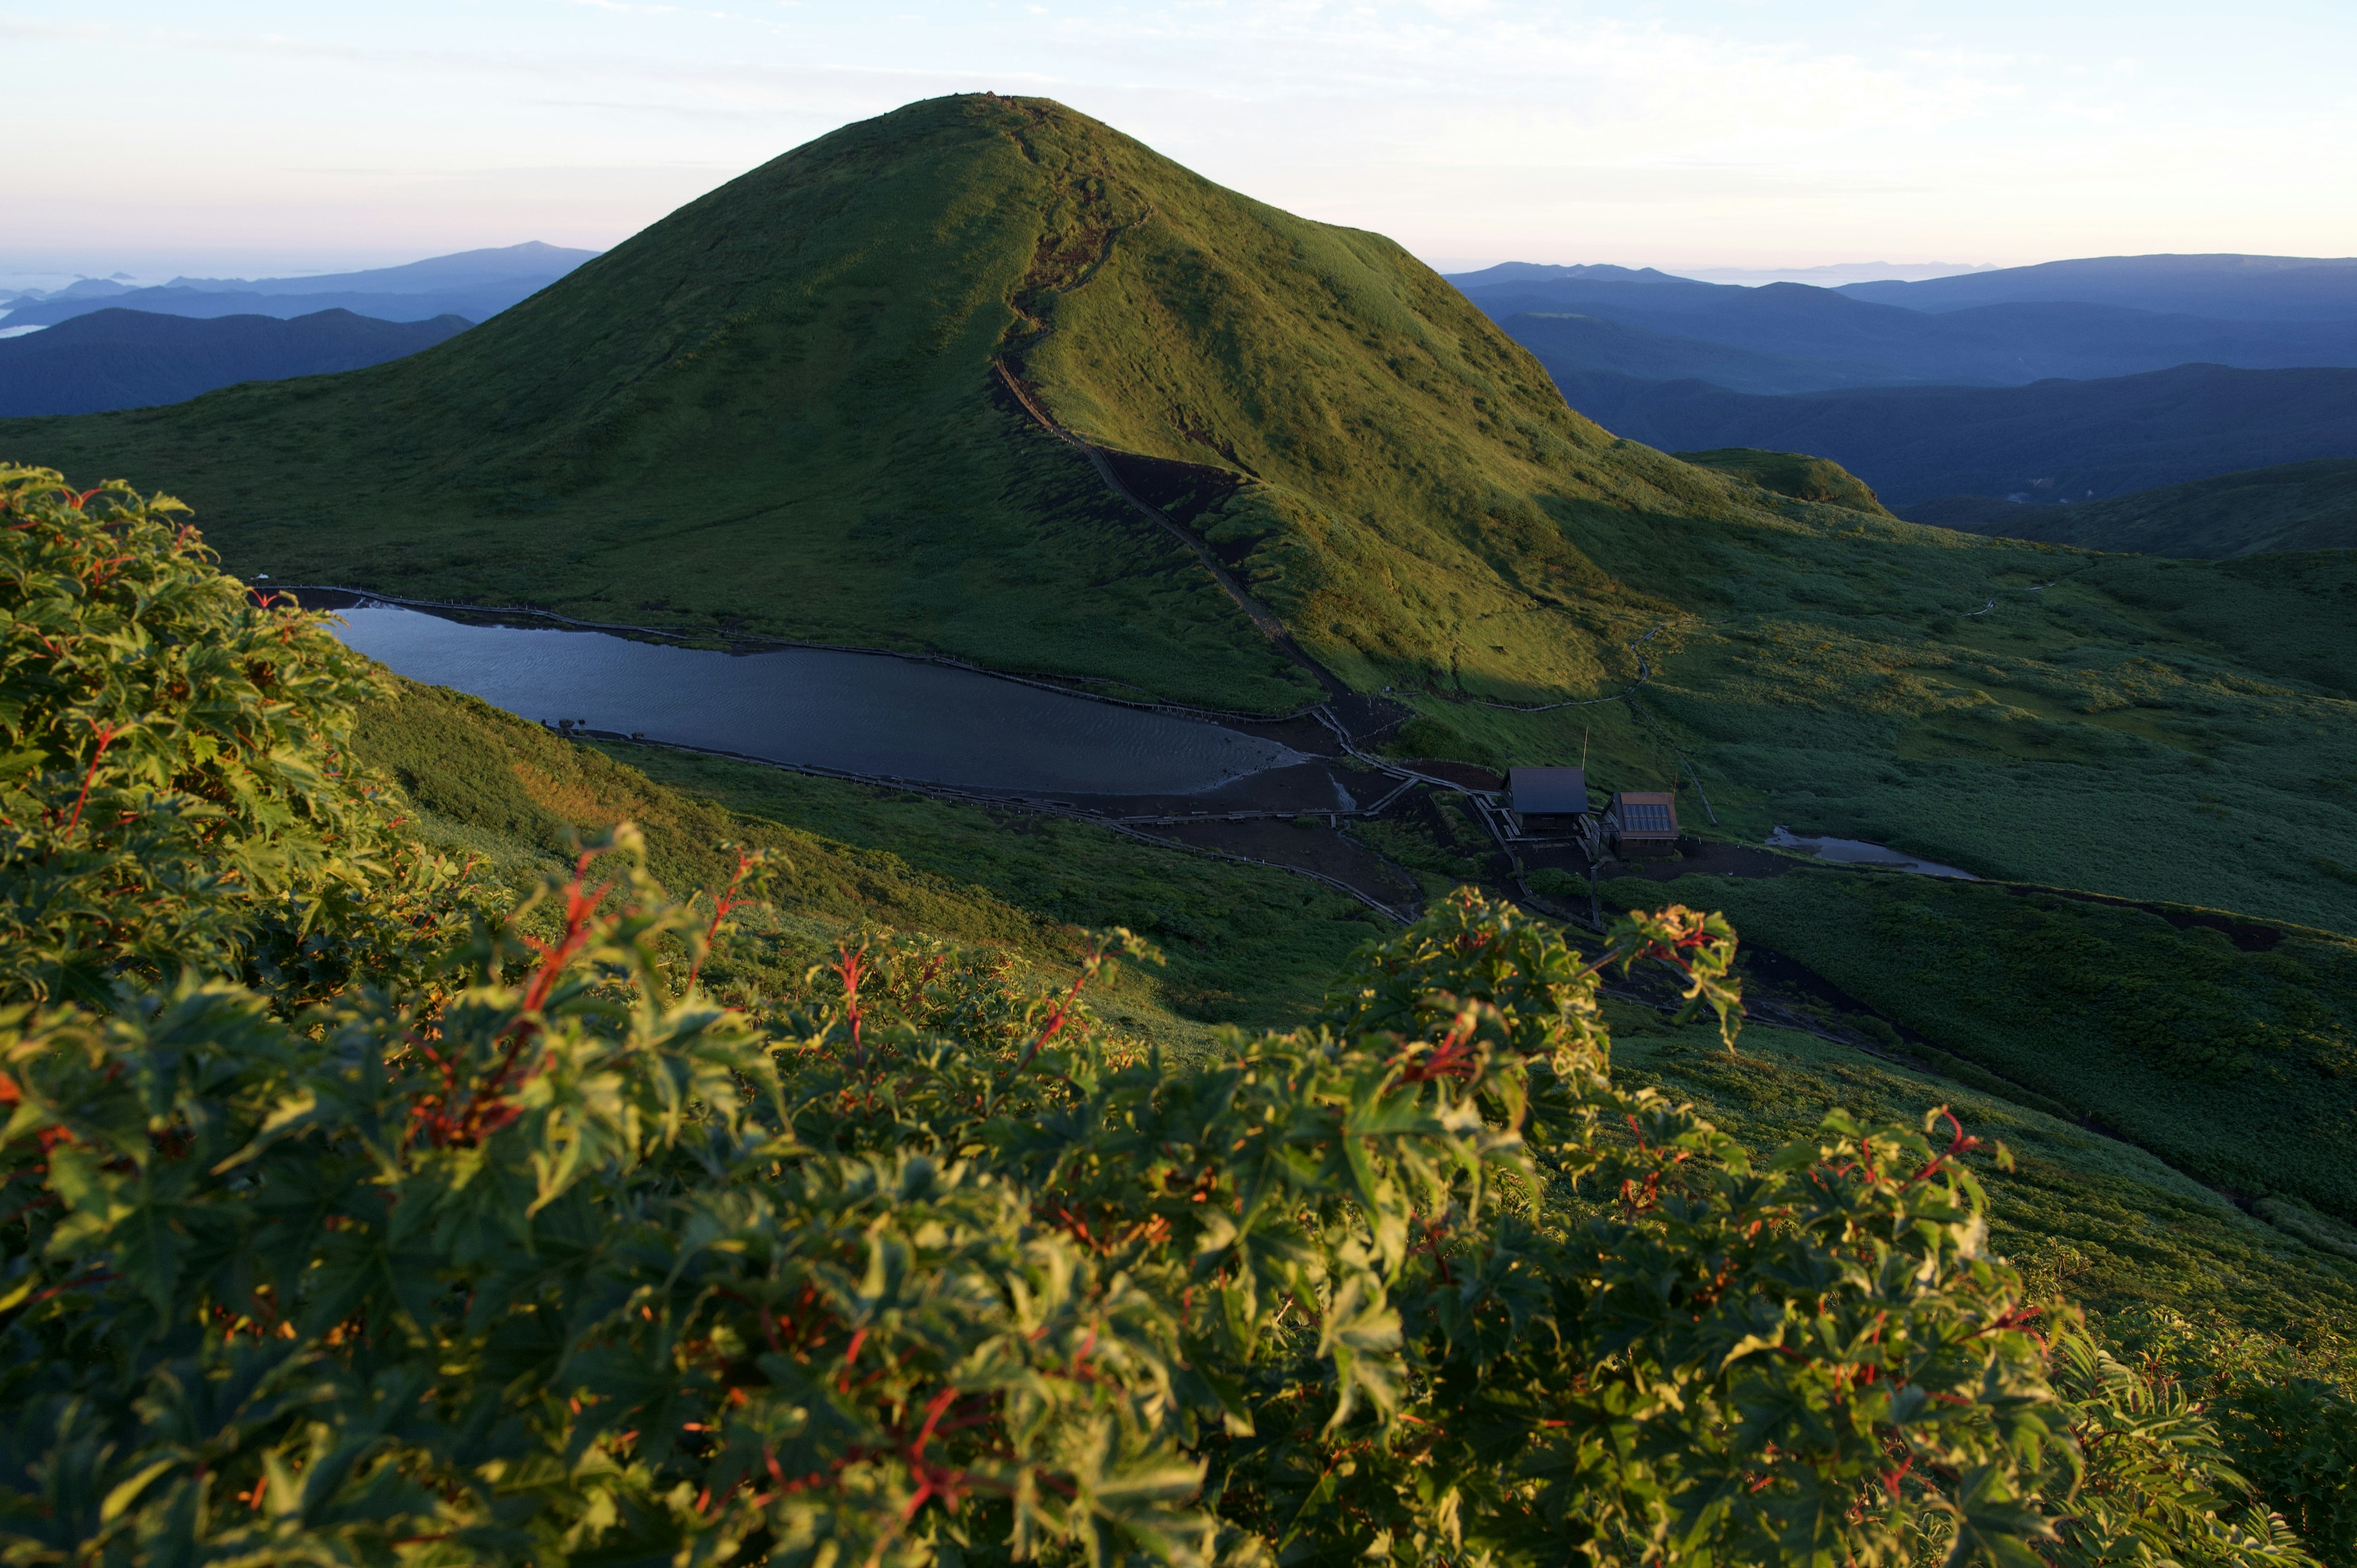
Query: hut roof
x,y
1548,791
1643,814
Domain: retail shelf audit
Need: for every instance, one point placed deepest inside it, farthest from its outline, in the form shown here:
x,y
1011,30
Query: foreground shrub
x,y
172,784
573,1266
534,1253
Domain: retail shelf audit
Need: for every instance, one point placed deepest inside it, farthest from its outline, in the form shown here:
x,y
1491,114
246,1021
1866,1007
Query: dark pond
x,y
856,712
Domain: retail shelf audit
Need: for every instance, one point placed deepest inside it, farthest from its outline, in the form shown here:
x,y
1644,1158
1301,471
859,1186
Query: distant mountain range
x,y
2079,381
2081,440
475,284
2223,286
1794,337
80,288
2245,288
112,358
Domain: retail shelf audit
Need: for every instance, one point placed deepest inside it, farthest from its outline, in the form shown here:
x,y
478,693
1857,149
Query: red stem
x,y
727,901
106,733
1055,1022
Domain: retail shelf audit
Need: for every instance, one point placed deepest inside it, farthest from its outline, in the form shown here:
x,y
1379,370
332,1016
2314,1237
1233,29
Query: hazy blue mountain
x,y
2082,440
435,275
86,288
2224,287
473,304
1835,339
1834,275
475,285
1527,272
1511,288
130,359
1577,345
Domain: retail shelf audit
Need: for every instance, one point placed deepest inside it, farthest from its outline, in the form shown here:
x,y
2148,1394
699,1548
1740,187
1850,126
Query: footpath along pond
x,y
867,714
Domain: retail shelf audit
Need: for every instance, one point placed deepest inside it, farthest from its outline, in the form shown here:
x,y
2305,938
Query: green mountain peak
x,y
781,409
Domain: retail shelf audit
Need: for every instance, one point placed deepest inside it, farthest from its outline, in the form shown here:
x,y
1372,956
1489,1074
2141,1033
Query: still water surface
x,y
856,712
1857,852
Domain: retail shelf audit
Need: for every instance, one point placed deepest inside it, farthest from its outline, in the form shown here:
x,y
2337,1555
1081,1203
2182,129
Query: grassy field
x,y
2114,1229
2291,505
1244,945
2235,1063
2142,727
1793,475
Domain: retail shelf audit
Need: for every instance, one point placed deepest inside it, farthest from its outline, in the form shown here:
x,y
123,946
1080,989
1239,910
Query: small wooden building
x,y
1641,816
1547,801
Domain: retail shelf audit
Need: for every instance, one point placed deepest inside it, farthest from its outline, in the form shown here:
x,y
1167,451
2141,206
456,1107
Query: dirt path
x,y
1261,614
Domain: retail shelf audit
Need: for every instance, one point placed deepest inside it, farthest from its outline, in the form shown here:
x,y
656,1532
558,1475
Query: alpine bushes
x,y
344,1220
173,791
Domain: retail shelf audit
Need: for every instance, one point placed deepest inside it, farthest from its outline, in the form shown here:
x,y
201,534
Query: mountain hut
x,y
1547,801
1641,816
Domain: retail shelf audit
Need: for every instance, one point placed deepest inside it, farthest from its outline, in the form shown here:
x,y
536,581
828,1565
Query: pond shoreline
x,y
738,644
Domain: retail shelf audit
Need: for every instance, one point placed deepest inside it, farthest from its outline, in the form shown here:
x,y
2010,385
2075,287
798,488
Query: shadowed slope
x,y
2293,506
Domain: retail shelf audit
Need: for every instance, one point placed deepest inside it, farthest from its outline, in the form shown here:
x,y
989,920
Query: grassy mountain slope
x,y
774,410
2226,1048
778,410
1793,475
2114,1228
2292,506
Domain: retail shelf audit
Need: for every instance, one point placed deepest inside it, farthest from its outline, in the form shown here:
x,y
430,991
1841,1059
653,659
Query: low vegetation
x,y
2226,1047
1791,475
2247,1318
473,1233
2293,506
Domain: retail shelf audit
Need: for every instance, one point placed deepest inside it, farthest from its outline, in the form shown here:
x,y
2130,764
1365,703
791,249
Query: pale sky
x,y
254,136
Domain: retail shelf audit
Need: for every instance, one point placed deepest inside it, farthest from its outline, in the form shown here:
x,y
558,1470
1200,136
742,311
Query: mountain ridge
x,y
116,358
532,259
1829,340
472,283
2088,440
2224,283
